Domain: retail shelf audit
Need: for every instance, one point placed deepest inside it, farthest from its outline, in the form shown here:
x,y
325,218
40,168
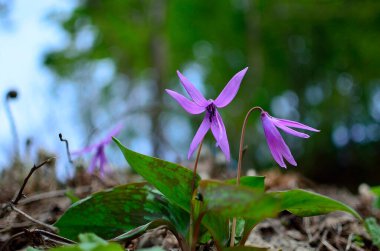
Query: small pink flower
x,y
212,118
276,143
100,157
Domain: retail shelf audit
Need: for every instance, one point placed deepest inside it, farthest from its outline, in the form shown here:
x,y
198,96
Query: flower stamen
x,y
211,111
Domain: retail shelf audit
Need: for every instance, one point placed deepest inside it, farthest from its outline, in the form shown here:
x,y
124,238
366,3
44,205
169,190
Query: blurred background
x,y
80,67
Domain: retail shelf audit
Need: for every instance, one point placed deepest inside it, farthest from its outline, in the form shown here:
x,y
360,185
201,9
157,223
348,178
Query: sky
x,y
25,35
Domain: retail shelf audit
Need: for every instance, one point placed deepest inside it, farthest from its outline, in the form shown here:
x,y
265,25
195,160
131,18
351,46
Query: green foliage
x,y
137,232
130,210
238,201
73,198
376,192
358,240
305,203
302,203
171,179
217,202
112,212
374,230
90,242
256,182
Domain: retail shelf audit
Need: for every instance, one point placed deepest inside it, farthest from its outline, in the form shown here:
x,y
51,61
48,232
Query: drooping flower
x,y
276,143
212,118
99,159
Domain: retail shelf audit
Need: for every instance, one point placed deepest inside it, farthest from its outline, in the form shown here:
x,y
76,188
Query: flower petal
x,y
115,131
106,140
203,128
295,124
186,104
285,152
273,137
85,150
92,166
291,131
102,161
192,91
219,131
230,90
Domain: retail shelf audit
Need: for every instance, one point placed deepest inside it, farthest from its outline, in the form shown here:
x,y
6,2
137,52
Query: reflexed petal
x,y
294,124
115,131
230,90
291,131
219,131
85,150
186,104
192,91
203,128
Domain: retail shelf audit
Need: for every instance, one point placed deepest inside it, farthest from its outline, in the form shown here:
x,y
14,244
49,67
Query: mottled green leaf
x,y
112,212
302,203
256,182
224,201
174,181
305,203
171,179
90,242
374,230
238,201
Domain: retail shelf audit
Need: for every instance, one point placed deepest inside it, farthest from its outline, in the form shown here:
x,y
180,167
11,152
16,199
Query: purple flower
x,y
276,143
99,158
212,118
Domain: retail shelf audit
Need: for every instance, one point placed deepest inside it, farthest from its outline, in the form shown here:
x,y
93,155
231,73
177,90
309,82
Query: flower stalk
x,y
11,95
233,230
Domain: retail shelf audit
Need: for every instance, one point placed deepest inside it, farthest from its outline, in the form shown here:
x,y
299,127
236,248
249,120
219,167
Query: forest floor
x,y
46,200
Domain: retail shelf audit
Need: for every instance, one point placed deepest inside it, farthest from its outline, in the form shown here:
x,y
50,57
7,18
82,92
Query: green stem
x,y
191,232
233,231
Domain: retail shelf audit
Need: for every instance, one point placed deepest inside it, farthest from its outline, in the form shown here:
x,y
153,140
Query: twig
x,y
329,246
306,222
6,228
54,229
349,242
54,237
52,194
67,147
20,195
37,234
12,204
